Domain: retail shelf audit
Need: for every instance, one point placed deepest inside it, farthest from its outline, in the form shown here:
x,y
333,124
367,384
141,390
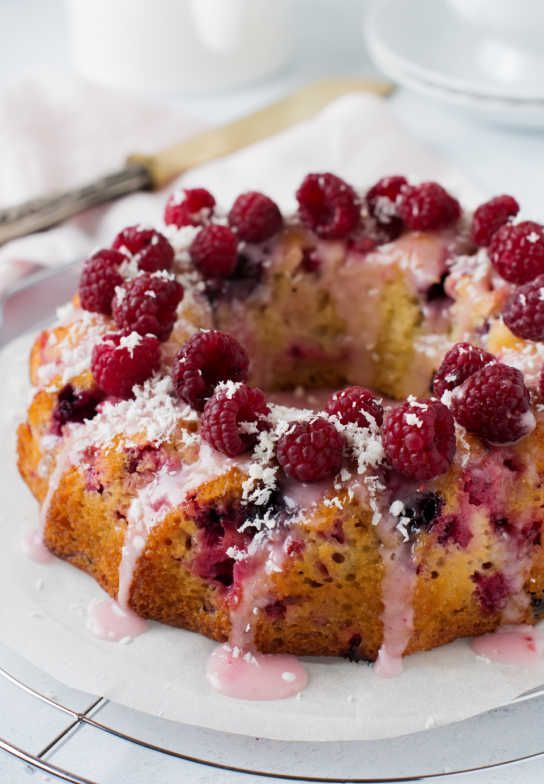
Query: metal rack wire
x,y
52,288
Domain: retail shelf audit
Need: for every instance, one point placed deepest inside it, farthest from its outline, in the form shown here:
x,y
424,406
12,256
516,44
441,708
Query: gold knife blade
x,y
154,171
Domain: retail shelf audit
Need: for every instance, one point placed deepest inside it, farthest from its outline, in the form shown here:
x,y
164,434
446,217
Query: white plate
x,y
426,46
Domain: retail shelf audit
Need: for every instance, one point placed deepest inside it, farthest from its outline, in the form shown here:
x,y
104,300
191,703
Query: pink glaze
x,y
167,490
108,621
398,583
247,676
35,549
518,645
304,495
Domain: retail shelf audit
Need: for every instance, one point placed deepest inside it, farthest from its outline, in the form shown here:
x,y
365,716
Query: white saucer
x,y
426,46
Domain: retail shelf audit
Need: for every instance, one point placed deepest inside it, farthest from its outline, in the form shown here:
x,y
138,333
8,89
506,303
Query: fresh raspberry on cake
x,y
99,278
147,304
232,418
493,403
311,451
328,205
460,362
490,216
214,251
427,207
419,438
191,207
381,201
356,405
523,312
516,251
151,249
122,360
206,359
255,217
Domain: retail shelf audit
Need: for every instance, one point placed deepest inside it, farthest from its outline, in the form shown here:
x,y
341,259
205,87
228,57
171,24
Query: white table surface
x,y
33,34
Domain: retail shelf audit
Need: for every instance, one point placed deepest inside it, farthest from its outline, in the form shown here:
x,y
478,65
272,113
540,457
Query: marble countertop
x,y
33,35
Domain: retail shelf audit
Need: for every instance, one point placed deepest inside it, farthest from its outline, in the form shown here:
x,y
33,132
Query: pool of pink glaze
x,y
248,676
35,549
519,645
108,621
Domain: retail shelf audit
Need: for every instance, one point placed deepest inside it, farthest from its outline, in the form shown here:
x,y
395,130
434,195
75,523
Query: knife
x,y
152,172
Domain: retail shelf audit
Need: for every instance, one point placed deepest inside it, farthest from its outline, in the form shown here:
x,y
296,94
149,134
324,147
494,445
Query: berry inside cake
x,y
313,434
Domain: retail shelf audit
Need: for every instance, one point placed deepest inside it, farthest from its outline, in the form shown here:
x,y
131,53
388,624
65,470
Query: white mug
x,y
179,45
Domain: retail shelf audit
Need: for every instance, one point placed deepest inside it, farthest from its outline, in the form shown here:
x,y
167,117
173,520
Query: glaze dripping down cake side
x,y
185,453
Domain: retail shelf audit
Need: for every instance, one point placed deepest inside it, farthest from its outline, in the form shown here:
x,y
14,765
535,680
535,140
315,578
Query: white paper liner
x,y
43,613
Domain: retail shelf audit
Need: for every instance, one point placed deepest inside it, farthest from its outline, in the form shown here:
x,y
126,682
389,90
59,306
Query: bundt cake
x,y
316,434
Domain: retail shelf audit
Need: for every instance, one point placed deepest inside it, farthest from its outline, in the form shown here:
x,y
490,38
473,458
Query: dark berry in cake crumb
x,y
328,205
493,403
192,207
460,362
99,278
490,216
311,451
152,250
356,405
516,251
72,406
422,509
120,361
148,304
206,359
382,200
419,439
255,217
427,206
232,418
523,312
491,590
214,251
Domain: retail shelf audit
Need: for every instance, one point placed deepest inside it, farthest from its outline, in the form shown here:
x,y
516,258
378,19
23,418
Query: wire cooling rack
x,y
506,736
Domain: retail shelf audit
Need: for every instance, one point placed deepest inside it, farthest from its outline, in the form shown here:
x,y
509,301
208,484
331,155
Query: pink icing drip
x,y
518,645
108,621
35,549
305,495
254,676
398,614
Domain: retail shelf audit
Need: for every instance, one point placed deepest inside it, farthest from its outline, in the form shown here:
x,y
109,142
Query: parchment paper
x,y
43,613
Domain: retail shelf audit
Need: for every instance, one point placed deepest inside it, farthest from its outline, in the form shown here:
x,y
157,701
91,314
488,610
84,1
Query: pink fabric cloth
x,y
57,132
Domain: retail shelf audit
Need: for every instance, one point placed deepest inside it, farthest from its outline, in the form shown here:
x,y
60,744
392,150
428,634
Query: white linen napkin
x,y
57,132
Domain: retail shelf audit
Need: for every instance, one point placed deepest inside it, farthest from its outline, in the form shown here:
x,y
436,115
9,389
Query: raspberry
x,y
147,304
74,406
255,217
427,206
419,439
151,249
311,451
206,359
357,405
224,414
493,403
381,201
460,362
490,216
122,360
328,205
516,251
99,278
523,312
214,251
193,208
